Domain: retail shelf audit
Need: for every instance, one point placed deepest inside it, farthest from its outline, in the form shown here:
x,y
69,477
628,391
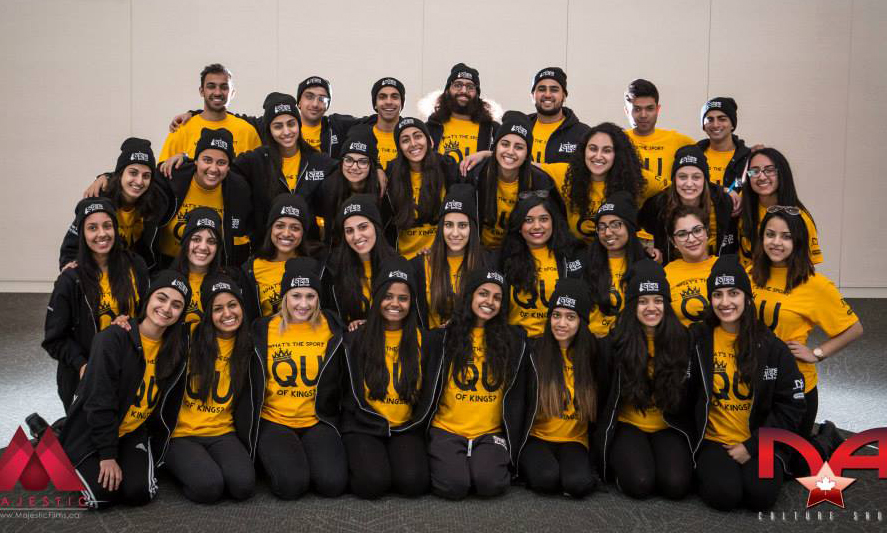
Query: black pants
x,y
457,464
725,484
206,466
647,462
138,485
377,465
812,400
296,458
554,467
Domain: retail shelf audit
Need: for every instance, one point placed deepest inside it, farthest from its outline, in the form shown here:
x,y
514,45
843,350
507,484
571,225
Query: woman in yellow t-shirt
x,y
647,440
301,349
200,254
743,379
570,365
481,414
688,233
215,407
391,365
792,299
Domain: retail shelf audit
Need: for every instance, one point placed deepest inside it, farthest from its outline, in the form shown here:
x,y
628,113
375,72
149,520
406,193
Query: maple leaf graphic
x,y
825,484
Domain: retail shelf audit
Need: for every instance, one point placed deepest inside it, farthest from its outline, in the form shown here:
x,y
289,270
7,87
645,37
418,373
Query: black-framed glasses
x,y
684,235
463,85
787,209
362,163
543,193
613,225
754,172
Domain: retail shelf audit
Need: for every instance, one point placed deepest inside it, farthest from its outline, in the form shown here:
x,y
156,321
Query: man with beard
x,y
462,123
217,90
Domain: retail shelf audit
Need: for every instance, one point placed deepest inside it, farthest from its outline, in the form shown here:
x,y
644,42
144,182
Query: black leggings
x,y
725,484
647,462
296,458
457,464
380,464
138,485
812,400
554,467
206,466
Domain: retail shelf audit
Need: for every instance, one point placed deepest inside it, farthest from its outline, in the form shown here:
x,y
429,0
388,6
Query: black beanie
x,y
478,277
300,272
411,122
727,272
517,123
388,82
277,104
202,218
461,71
287,204
135,150
551,73
313,81
571,294
363,205
721,103
215,284
621,204
394,269
690,156
172,279
93,204
360,141
219,139
647,277
460,199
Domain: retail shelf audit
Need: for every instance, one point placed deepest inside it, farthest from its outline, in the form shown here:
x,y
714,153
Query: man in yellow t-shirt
x,y
217,90
726,153
656,147
462,123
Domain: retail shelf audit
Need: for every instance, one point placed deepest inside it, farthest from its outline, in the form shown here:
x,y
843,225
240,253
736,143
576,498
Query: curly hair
x,y
478,109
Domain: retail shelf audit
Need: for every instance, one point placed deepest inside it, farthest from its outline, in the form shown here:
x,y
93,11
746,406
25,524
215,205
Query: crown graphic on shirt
x,y
690,292
283,108
519,129
139,156
453,204
282,354
720,367
688,159
206,223
219,143
300,282
290,210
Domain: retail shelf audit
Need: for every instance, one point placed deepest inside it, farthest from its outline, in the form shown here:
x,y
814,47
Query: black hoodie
x,y
565,140
736,166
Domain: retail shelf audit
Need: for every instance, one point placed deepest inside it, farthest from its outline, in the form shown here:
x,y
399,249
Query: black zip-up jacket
x,y
236,203
650,219
736,165
778,391
72,323
565,140
327,399
486,133
539,181
358,416
109,388
517,415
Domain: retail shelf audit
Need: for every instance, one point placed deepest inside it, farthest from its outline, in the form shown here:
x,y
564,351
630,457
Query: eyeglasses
x,y
754,172
684,235
325,100
529,194
463,85
362,163
614,225
787,209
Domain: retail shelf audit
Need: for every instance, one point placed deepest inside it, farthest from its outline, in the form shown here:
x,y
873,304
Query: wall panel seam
x,y
846,144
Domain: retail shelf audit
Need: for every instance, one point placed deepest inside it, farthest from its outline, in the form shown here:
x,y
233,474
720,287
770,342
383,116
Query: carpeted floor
x,y
853,391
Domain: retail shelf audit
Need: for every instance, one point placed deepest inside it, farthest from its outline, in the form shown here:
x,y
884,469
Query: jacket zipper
x,y
535,411
612,417
356,399
319,376
435,400
505,397
703,372
256,419
169,431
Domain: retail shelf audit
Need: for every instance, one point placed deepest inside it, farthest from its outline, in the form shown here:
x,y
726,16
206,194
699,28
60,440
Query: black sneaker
x,y
36,425
828,439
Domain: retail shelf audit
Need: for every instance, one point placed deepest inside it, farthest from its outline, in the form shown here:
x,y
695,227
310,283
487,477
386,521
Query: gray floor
x,y
853,393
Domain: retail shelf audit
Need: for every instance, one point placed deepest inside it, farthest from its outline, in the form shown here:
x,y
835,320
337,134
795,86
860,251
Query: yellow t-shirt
x,y
526,310
108,309
455,262
657,150
194,313
649,420
294,362
396,410
368,281
689,289
467,407
185,138
567,427
130,226
506,198
148,393
712,229
291,170
717,164
311,134
215,416
731,398
541,133
459,138
413,240
792,316
386,145
600,324
197,196
268,276
745,255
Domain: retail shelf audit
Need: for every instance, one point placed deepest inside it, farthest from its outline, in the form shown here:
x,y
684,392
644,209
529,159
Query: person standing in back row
x,y
462,123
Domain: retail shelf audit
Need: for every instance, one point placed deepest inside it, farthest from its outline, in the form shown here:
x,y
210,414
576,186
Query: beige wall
x,y
810,78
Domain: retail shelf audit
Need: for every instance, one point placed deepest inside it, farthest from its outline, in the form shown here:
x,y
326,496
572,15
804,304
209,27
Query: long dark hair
x,y
120,275
306,247
488,178
597,272
350,275
410,211
671,344
180,263
751,334
204,350
554,396
148,205
800,266
370,352
172,348
339,190
478,109
517,261
625,175
272,182
442,293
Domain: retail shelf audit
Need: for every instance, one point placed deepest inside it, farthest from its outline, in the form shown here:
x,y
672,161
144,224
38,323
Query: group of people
x,y
390,305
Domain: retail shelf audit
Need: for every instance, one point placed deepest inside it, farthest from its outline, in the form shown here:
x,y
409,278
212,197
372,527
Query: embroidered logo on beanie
x,y
300,282
283,108
91,208
688,159
496,276
359,146
606,207
519,129
351,208
714,104
206,222
566,301
389,82
404,122
219,143
311,81
180,285
453,204
221,286
398,274
290,210
648,286
465,75
725,281
545,74
139,156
